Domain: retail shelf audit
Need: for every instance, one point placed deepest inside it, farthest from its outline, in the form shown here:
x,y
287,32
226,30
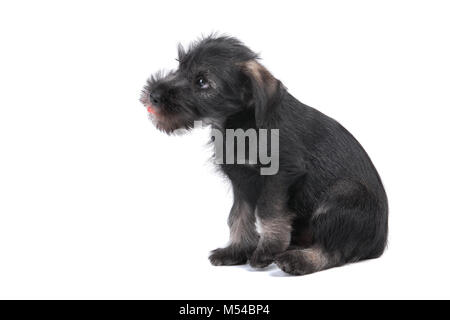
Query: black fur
x,y
325,207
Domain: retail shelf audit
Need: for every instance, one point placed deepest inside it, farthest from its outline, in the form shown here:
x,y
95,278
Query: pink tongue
x,y
150,110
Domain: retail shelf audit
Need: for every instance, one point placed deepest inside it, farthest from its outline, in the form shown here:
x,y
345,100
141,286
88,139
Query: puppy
x,y
324,207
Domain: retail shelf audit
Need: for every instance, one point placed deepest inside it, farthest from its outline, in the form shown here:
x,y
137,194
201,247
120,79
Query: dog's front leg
x,y
274,222
243,234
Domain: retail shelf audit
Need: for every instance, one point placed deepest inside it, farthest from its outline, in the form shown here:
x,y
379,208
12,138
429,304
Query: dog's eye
x,y
202,83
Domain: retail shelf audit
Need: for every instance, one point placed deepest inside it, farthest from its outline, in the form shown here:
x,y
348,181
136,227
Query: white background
x,y
96,203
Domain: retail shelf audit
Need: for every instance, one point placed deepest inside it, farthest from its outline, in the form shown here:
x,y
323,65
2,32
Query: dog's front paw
x,y
228,256
261,259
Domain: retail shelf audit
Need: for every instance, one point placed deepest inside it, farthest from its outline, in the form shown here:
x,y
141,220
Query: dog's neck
x,y
214,123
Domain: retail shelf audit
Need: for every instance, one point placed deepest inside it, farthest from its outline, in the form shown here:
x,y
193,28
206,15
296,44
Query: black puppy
x,y
325,207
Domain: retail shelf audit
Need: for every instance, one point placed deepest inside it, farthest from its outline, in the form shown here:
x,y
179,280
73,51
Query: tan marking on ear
x,y
262,76
254,68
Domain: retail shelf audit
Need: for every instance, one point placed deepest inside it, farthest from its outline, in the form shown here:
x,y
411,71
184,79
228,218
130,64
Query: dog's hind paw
x,y
286,263
296,262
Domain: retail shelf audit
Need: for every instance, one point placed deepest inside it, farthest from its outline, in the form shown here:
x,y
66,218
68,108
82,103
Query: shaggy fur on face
x,y
325,207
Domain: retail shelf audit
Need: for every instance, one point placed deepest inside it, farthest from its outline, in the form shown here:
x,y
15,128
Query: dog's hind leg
x,y
348,224
304,261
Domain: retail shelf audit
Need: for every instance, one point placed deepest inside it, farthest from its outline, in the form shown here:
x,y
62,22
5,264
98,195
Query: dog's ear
x,y
265,90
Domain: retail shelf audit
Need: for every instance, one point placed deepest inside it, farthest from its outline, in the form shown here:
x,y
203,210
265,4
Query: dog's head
x,y
216,77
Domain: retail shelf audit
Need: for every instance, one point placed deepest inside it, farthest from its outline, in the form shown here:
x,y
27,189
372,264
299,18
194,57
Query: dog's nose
x,y
155,98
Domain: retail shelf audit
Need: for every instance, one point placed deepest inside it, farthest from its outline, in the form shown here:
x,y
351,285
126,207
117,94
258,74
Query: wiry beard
x,y
172,123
